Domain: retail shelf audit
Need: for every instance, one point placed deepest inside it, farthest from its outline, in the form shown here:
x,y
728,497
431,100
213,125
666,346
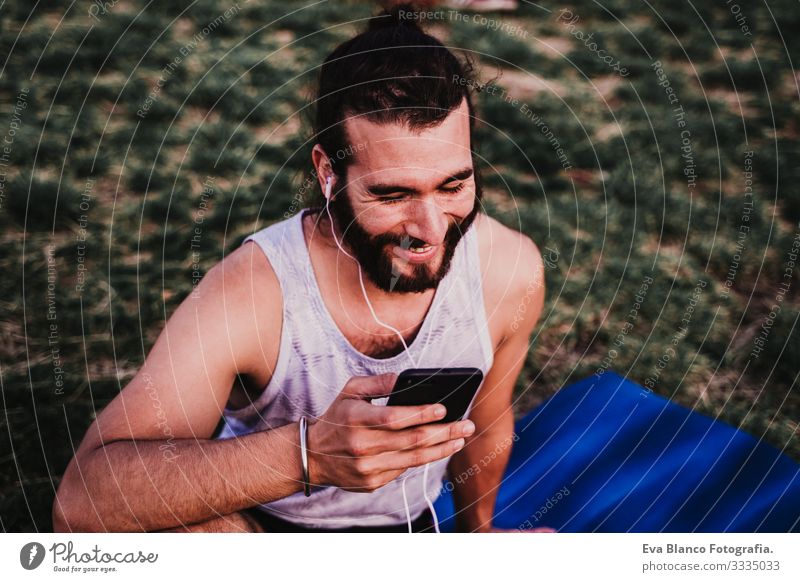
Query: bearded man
x,y
312,319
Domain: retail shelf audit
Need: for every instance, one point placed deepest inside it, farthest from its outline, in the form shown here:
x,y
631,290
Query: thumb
x,y
365,387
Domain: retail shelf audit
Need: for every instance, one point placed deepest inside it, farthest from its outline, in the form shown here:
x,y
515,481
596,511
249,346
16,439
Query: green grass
x,y
621,213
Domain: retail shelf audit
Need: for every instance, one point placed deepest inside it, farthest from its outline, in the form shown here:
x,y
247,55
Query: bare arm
x,y
133,486
147,462
477,470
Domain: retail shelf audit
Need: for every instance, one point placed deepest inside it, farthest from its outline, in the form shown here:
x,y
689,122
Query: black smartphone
x,y
454,387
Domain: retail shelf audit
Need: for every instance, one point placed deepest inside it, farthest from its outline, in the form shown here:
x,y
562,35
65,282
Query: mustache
x,y
405,241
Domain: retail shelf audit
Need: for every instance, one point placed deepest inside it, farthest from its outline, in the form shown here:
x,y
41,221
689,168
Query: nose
x,y
427,221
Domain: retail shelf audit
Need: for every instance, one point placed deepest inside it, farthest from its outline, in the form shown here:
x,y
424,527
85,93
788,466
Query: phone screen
x,y
453,387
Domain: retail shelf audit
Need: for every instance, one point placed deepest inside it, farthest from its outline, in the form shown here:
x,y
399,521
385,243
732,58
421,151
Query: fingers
x,y
376,471
365,442
395,417
369,386
423,436
420,456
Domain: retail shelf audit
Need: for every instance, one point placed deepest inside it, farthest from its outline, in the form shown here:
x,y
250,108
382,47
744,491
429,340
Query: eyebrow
x,y
381,189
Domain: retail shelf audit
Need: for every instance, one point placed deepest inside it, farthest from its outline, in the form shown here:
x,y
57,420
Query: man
x,y
281,329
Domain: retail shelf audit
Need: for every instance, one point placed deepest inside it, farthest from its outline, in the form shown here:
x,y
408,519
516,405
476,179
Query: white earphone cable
x,y
405,503
405,347
428,499
361,276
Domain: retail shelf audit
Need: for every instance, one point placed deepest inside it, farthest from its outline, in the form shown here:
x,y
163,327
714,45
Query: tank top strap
x,y
279,243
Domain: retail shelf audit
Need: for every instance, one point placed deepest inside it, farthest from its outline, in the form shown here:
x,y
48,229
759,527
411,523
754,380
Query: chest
x,y
431,316
376,341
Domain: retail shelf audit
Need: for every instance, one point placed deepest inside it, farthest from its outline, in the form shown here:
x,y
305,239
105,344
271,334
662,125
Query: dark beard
x,y
377,262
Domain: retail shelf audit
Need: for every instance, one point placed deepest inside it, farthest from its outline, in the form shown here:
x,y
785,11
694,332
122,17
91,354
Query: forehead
x,y
393,147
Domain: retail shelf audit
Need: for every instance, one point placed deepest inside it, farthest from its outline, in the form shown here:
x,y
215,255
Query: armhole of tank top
x,y
481,318
281,362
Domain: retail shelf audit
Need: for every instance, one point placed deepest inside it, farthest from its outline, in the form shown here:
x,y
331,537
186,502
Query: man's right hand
x,y
358,446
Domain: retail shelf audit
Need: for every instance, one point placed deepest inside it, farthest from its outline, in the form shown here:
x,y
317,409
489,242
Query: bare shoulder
x,y
246,288
513,270
242,280
246,264
226,326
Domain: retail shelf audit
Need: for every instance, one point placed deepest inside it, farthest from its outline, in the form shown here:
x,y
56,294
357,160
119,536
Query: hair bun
x,y
396,16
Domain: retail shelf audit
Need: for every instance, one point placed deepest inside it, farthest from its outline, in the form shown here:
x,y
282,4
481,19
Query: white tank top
x,y
316,361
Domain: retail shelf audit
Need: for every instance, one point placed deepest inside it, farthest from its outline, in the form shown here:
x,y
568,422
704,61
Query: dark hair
x,y
391,73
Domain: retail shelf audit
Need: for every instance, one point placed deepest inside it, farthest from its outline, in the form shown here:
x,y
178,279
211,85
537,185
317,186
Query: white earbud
x,y
328,188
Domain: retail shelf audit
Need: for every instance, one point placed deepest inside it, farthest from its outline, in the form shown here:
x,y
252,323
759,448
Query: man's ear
x,y
322,165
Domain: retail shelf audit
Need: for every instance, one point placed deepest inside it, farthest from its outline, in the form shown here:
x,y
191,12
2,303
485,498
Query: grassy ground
x,y
661,263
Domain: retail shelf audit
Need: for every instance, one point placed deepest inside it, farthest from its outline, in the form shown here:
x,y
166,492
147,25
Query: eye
x,y
392,199
454,189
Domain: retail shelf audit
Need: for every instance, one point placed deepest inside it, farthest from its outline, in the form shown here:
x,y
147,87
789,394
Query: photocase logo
x,y
551,258
99,8
31,555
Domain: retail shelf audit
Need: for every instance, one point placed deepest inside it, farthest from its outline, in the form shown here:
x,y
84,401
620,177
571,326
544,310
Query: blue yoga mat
x,y
606,455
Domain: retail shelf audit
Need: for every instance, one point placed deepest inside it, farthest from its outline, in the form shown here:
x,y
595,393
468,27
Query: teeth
x,y
419,250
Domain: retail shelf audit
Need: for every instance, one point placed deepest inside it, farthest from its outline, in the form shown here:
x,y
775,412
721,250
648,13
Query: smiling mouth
x,y
415,254
420,250
415,245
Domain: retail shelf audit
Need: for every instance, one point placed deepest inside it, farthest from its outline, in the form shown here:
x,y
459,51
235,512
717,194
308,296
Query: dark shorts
x,y
270,523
